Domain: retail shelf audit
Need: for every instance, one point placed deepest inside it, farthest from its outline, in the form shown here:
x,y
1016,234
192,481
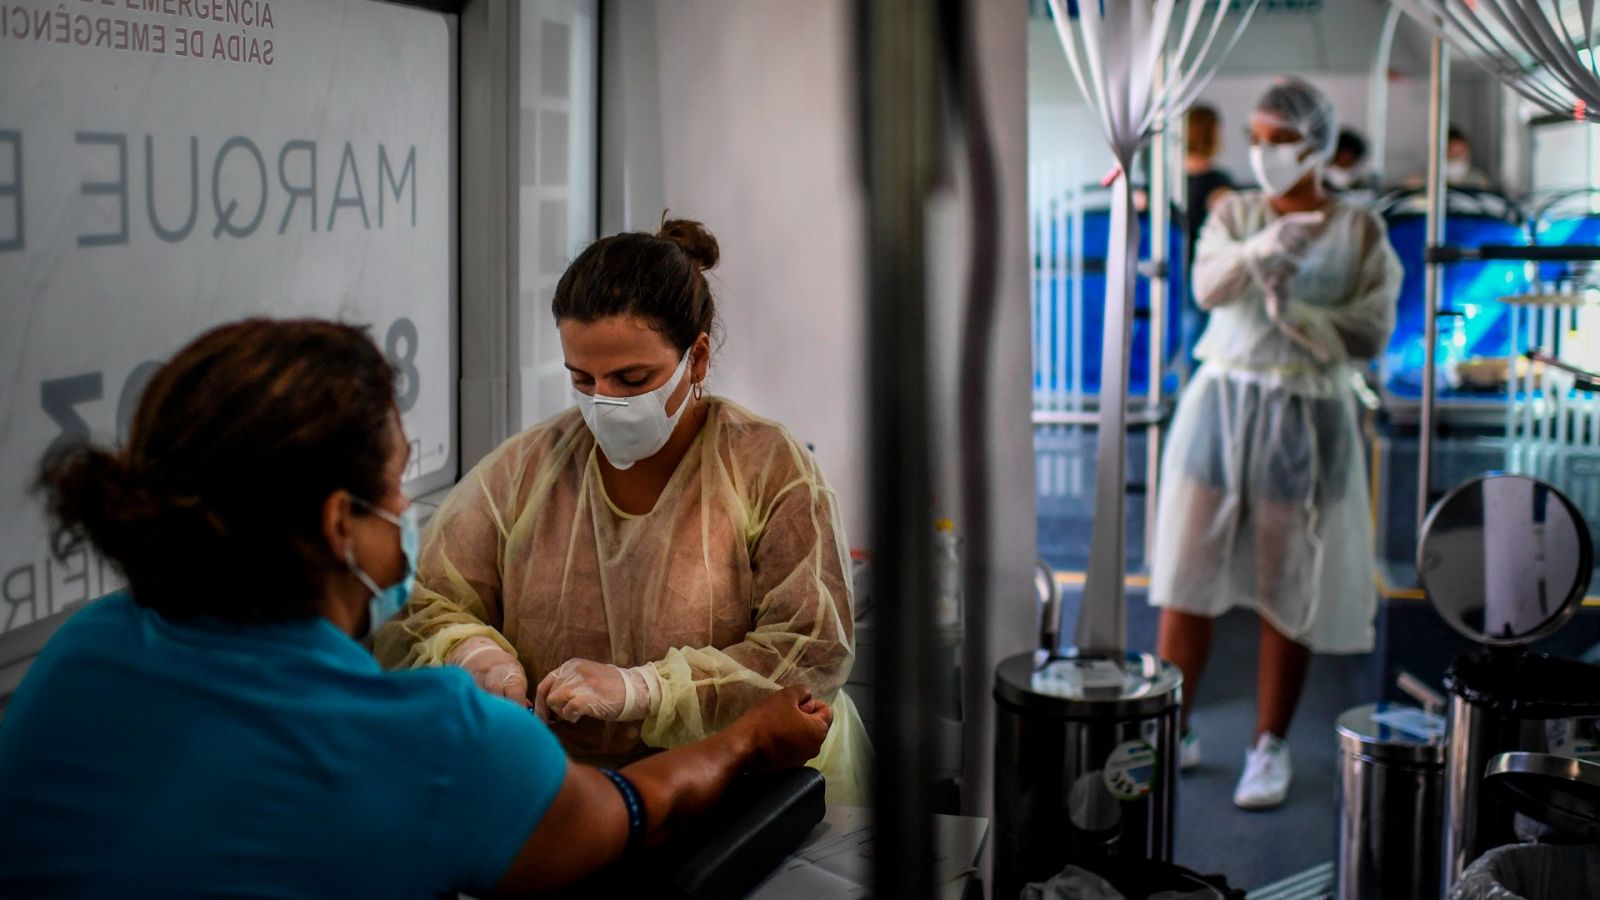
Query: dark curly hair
x,y
214,506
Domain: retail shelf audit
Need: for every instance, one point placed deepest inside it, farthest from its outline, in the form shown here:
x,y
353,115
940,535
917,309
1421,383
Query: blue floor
x,y
1256,848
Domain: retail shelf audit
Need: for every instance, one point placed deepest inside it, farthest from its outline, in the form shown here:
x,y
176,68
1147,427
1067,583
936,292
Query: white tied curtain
x,y
1543,49
1138,63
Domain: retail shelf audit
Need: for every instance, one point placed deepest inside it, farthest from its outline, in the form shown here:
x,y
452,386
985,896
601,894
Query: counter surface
x,y
834,863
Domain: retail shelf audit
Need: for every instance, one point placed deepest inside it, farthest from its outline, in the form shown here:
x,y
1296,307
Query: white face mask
x,y
1278,167
1457,169
629,429
1339,178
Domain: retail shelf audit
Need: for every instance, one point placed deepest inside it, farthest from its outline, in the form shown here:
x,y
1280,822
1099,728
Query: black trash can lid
x,y
1559,791
1528,685
1393,732
1089,686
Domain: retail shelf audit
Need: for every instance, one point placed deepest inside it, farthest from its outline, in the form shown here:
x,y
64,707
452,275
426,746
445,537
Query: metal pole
x,y
1102,628
1378,98
898,57
1438,127
1160,182
1075,286
980,319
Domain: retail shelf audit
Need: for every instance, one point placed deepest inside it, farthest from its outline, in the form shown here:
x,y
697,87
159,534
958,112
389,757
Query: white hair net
x,y
1292,103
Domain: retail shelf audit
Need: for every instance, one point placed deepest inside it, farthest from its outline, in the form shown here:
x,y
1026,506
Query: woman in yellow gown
x,y
654,560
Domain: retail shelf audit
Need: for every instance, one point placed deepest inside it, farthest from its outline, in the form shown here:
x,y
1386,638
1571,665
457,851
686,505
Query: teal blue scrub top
x,y
143,757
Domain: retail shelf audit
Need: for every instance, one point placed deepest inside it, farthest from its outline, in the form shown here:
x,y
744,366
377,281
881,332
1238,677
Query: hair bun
x,y
692,238
97,496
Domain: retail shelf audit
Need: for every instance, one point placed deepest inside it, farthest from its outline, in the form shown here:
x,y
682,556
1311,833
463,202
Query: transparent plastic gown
x,y
1264,501
735,585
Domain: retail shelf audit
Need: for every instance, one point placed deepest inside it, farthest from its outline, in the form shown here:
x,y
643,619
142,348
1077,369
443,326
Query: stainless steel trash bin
x,y
1085,763
1391,802
1505,560
1502,703
1563,795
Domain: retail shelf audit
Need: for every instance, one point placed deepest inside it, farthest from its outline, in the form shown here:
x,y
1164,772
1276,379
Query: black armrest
x,y
761,820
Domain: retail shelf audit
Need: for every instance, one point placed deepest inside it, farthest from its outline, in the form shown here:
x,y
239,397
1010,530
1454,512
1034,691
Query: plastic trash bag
x,y
1075,883
1531,872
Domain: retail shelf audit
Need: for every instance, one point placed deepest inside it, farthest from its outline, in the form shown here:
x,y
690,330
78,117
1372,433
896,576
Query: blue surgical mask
x,y
387,602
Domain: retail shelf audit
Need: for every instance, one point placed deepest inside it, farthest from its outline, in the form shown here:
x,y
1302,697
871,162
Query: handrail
x,y
1448,254
1586,380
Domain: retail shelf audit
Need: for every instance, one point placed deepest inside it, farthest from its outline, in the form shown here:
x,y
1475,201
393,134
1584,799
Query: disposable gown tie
x,y
1263,499
735,585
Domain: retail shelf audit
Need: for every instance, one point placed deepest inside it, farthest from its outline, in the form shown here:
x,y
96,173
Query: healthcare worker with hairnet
x,y
655,559
1263,498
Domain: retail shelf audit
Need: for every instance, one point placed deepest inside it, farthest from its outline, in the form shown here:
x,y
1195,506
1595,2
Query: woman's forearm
x,y
688,780
1220,278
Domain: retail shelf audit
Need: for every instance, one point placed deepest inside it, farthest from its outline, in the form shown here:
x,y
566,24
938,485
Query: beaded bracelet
x,y
637,822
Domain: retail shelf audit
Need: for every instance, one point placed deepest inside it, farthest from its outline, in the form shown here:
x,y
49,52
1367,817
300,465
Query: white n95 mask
x,y
1278,167
629,429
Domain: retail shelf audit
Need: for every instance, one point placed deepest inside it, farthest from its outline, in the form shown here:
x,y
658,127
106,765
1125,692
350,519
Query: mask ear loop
x,y
350,551
362,576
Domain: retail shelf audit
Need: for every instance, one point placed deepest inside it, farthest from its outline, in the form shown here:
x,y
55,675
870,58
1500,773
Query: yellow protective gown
x,y
736,584
1263,500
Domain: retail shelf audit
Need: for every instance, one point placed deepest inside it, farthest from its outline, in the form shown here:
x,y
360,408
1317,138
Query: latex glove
x,y
582,688
1275,287
495,670
1277,249
1292,321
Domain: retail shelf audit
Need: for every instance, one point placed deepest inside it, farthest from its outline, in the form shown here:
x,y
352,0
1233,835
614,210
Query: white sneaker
x,y
1265,782
1188,752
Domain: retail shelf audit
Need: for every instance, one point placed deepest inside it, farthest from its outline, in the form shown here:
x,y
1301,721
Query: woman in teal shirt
x,y
218,730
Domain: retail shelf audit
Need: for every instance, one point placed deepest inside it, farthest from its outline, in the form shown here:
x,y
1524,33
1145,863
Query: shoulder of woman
x,y
455,708
548,443
558,429
757,444
1367,226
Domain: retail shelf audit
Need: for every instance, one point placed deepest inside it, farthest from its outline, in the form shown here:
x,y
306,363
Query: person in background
x,y
218,730
1262,498
655,559
1458,168
1206,185
1347,170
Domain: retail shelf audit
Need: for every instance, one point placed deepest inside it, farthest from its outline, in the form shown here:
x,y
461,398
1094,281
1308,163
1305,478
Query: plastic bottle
x,y
946,574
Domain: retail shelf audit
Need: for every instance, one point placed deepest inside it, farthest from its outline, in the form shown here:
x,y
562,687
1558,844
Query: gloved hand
x,y
581,688
1276,249
1298,322
495,670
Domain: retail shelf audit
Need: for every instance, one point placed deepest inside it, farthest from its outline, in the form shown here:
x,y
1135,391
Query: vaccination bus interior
x,y
922,266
